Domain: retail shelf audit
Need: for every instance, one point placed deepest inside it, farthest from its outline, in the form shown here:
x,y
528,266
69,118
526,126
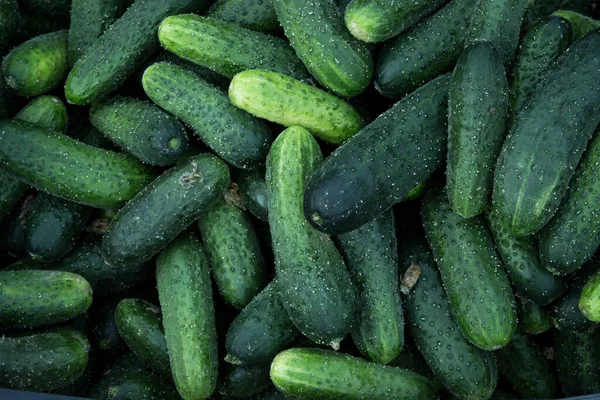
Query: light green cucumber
x,y
589,301
46,111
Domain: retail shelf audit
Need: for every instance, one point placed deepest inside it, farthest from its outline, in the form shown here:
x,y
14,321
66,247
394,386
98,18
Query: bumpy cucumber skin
x,y
253,190
141,128
261,330
38,65
257,15
372,257
185,293
239,274
125,45
542,8
312,279
468,372
577,357
521,260
427,50
581,24
331,54
147,223
380,165
46,111
293,372
289,102
533,318
9,21
227,48
588,301
477,286
539,156
245,381
43,361
477,104
239,138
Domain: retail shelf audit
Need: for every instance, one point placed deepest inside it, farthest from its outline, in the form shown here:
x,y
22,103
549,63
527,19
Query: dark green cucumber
x,y
542,8
105,335
376,21
38,65
227,48
588,301
35,298
465,370
476,112
239,138
42,361
344,377
140,325
331,54
533,318
521,260
11,190
257,15
116,54
410,358
253,190
9,21
578,361
184,289
46,111
581,24
541,46
148,223
33,24
545,143
261,330
12,236
526,368
236,261
290,102
312,279
372,256
372,171
140,128
245,380
89,20
477,286
427,50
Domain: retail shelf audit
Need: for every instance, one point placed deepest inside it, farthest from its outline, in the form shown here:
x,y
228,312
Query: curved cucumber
x,y
253,190
588,301
46,111
9,21
577,361
533,318
184,289
239,138
245,380
581,24
289,102
257,15
311,276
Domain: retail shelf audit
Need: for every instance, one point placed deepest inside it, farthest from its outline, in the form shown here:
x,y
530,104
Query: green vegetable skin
x,y
581,24
589,301
253,190
539,156
184,289
311,276
257,15
293,372
577,357
47,112
533,318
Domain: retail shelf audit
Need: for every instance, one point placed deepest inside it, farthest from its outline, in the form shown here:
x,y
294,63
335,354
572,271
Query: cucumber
x,y
526,368
410,358
12,237
483,304
526,197
147,223
289,102
578,361
261,330
48,7
42,361
581,24
467,372
521,260
9,21
184,289
312,279
344,377
257,15
129,41
12,190
588,301
372,171
245,380
33,24
46,111
37,65
542,8
336,59
533,318
239,274
239,138
89,20
253,190
377,21
372,257
29,299
140,128
425,51
140,325
477,104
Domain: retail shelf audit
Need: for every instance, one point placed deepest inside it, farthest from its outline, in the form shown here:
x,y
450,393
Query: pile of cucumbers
x,y
300,199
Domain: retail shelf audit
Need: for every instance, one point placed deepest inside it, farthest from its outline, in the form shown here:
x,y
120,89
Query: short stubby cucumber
x,y
239,138
381,164
46,111
184,289
331,54
581,24
475,281
257,15
344,377
533,318
589,301
476,111
544,145
312,280
289,102
577,357
227,48
141,128
148,223
253,191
